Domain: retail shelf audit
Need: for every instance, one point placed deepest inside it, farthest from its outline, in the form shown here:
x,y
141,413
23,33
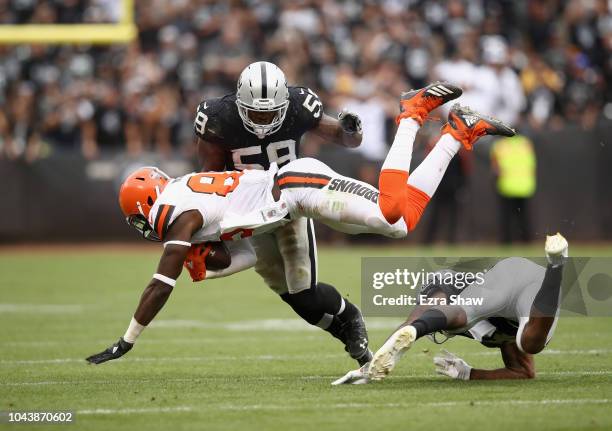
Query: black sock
x,y
431,321
349,313
547,298
314,303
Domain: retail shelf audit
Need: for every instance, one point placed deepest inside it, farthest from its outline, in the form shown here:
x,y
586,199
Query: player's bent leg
x,y
318,303
415,106
427,321
465,127
537,327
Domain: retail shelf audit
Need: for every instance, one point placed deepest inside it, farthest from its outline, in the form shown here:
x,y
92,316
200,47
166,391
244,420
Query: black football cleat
x,y
467,126
355,337
417,104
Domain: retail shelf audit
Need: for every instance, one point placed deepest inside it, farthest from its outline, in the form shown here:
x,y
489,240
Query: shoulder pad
x,y
301,93
306,103
207,122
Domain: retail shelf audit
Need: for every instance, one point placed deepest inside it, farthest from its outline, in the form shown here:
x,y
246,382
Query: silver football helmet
x,y
262,98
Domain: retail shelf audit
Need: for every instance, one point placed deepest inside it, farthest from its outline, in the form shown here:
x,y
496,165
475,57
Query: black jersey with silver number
x,y
217,121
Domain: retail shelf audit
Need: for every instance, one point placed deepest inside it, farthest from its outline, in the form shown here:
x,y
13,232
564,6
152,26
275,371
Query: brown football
x,y
219,256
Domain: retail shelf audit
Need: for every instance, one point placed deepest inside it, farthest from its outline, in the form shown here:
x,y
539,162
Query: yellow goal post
x,y
123,31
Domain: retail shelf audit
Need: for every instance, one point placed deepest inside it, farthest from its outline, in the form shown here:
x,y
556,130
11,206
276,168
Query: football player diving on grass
x,y
201,208
518,314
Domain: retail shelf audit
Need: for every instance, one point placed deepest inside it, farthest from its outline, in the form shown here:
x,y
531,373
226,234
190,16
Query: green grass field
x,y
229,355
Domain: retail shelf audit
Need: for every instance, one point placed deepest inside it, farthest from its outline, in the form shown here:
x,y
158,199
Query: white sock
x,y
400,153
428,175
133,331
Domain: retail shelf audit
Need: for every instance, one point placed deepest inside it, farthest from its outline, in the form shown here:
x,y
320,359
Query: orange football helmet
x,y
137,195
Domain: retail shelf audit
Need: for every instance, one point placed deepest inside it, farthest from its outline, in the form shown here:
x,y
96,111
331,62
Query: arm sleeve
x,y
242,257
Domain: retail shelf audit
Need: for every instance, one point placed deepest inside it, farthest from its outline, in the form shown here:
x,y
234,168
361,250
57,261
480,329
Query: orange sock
x,y
392,185
415,203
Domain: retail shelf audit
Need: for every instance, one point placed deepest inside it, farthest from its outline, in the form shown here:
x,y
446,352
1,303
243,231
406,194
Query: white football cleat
x,y
355,377
391,352
556,248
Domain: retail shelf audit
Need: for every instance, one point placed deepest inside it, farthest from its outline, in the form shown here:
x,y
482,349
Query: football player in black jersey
x,y
518,314
261,123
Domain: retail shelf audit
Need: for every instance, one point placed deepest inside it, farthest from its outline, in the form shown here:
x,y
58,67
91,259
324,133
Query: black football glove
x,y
350,122
115,351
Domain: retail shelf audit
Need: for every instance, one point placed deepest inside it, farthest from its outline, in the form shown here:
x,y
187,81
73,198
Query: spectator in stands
x,y
188,49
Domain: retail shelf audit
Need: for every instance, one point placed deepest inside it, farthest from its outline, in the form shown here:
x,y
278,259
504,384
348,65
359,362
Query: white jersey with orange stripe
x,y
232,204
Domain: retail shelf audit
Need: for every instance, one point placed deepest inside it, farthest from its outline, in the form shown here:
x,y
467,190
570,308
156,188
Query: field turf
x,y
229,355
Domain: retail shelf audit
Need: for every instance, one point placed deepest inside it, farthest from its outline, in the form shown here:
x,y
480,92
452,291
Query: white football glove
x,y
452,366
355,377
556,248
350,122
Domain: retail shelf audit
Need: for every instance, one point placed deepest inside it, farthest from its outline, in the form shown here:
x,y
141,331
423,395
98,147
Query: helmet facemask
x,y
140,223
262,106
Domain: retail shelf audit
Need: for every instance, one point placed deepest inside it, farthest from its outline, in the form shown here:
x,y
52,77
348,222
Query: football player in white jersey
x,y
517,311
212,206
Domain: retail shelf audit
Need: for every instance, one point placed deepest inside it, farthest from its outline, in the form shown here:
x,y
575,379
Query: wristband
x,y
174,242
169,281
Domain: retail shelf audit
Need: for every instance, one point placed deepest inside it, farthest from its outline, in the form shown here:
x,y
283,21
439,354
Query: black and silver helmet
x,y
262,89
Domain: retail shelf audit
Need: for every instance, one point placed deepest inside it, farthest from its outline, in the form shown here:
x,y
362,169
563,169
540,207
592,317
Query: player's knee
x,y
392,187
273,278
532,344
412,217
390,208
416,202
298,278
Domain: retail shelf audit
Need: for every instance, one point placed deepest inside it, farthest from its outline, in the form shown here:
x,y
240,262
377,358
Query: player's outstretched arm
x,y
159,288
346,130
518,365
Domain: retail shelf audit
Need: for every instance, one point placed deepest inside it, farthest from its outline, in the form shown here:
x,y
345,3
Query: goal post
x,y
123,31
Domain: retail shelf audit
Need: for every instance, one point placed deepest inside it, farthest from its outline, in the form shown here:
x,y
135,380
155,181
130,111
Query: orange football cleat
x,y
417,104
467,126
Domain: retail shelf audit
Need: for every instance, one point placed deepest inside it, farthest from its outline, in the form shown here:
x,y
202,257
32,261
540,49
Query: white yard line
x,y
267,357
278,325
180,359
135,411
359,406
154,341
575,401
41,308
197,379
329,378
495,352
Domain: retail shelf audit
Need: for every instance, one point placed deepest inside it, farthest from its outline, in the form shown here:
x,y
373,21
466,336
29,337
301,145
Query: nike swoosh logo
x,y
205,105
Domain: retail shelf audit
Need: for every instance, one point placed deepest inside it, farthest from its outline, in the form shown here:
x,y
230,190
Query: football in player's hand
x,y
219,256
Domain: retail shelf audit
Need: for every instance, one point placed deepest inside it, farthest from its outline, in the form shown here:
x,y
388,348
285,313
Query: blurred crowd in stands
x,y
533,63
